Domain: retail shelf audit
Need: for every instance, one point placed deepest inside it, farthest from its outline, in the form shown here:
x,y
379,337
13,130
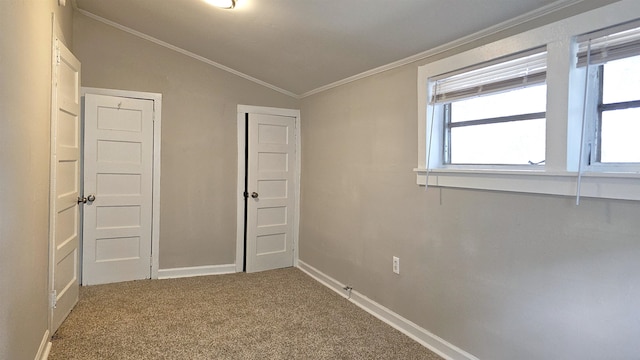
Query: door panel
x,y
118,171
65,184
271,171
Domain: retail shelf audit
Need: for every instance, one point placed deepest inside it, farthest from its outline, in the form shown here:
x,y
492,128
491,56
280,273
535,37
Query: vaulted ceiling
x,y
298,46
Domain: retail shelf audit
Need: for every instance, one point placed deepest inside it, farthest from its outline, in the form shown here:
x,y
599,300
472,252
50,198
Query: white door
x,y
118,180
270,186
65,184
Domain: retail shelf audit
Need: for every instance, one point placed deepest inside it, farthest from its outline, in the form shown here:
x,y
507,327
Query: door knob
x,y
254,195
82,200
91,198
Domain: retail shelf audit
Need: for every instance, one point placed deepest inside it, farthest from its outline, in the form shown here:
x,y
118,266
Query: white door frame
x,y
157,117
242,111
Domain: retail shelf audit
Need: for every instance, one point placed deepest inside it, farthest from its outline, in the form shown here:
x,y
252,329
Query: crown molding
x,y
519,20
184,52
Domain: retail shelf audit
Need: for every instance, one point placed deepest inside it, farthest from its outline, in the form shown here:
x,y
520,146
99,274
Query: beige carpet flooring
x,y
279,314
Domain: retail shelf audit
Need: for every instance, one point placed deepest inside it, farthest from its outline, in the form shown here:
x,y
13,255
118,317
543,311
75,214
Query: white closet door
x,y
271,202
118,180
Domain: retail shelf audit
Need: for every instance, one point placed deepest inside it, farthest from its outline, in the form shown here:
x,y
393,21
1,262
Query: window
x,y
494,114
506,128
619,112
476,132
613,57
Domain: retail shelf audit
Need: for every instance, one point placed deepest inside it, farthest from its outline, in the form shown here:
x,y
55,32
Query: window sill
x,y
609,185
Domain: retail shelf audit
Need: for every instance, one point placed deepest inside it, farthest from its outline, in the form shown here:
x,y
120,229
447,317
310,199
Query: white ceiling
x,y
302,45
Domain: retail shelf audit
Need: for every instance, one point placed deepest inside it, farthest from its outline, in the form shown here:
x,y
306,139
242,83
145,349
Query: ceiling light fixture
x,y
223,4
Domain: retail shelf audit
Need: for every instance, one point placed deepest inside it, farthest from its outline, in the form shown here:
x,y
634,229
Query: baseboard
x,y
45,347
196,271
422,336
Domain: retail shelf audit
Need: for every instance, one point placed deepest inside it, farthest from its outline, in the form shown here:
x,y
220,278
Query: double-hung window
x,y
612,57
493,114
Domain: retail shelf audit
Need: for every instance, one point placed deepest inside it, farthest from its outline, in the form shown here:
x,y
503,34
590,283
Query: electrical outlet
x,y
396,265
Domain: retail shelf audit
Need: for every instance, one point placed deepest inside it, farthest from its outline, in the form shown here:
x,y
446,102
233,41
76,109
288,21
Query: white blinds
x,y
524,70
610,44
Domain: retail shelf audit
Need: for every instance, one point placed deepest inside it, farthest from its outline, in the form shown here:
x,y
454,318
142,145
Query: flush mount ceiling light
x,y
223,4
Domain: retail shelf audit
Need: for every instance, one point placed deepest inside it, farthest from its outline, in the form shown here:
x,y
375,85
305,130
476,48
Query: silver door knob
x,y
254,195
82,200
91,198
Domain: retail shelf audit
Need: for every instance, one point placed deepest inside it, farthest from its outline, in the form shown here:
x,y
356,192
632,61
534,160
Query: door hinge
x,y
58,60
53,299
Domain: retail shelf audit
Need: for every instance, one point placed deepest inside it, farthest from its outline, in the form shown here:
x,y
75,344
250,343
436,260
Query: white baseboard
x,y
196,271
45,347
422,336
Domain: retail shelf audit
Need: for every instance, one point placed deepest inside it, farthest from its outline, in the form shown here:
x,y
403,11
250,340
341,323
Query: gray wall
x,y
199,147
500,275
25,97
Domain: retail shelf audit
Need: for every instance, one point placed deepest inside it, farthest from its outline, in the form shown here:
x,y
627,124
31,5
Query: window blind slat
x,y
509,74
609,44
485,89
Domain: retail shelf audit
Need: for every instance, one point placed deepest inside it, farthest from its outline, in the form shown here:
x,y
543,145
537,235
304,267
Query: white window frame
x,y
565,89
592,117
505,74
592,132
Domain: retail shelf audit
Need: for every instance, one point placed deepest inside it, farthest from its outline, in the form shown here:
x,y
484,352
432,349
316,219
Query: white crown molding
x,y
519,20
184,52
545,10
